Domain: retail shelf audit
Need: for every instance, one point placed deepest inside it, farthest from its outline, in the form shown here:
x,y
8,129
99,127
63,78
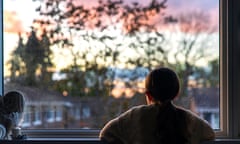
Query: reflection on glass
x,y
81,63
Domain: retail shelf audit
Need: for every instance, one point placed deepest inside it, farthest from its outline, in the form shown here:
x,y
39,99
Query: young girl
x,y
159,122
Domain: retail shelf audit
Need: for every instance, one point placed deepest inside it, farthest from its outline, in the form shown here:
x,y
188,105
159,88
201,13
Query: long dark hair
x,y
163,85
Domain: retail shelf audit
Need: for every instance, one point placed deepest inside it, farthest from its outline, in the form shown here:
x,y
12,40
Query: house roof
x,y
32,94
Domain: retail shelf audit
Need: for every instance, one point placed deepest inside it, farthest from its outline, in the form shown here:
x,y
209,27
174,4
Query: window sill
x,y
61,134
96,141
41,141
82,136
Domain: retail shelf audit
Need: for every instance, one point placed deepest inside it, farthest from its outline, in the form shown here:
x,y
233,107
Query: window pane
x,y
81,63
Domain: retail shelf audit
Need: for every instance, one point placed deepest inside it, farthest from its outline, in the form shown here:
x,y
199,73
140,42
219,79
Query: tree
x,y
208,76
95,32
195,43
214,76
45,62
30,58
16,65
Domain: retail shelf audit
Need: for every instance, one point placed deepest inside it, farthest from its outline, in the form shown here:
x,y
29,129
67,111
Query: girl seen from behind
x,y
160,121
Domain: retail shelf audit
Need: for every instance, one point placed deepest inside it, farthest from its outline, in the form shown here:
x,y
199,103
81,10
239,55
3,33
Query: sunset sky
x,y
18,16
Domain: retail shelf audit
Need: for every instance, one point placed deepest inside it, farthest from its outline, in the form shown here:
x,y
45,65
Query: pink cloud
x,y
11,22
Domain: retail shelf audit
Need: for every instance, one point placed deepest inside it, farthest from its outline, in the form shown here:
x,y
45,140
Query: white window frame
x,y
229,70
229,78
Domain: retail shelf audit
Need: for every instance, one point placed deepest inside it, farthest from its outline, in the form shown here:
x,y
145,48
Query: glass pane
x,y
81,63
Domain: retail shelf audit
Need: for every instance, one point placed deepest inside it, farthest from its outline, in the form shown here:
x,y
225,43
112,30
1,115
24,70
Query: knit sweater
x,y
138,125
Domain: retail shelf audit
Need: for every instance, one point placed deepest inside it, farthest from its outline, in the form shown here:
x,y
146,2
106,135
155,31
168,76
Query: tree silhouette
x,y
98,33
45,62
195,43
30,58
207,77
16,68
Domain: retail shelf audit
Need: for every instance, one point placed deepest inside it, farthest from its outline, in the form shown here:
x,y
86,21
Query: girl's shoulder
x,y
187,112
192,118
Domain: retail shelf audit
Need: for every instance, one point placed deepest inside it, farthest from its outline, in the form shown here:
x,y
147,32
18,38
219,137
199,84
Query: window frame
x,y
229,16
1,49
229,69
224,81
233,36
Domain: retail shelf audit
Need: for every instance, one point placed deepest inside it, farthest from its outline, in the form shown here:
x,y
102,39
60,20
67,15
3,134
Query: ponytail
x,y
163,85
171,125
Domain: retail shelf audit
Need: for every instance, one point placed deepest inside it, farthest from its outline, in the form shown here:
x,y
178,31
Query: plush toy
x,y
11,113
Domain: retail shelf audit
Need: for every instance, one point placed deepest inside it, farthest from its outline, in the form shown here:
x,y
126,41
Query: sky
x,y
18,15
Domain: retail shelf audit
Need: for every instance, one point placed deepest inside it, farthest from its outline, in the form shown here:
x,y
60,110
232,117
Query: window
x,y
36,116
98,55
75,79
59,113
27,118
50,117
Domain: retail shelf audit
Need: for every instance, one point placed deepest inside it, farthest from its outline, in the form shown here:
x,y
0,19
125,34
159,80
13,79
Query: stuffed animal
x,y
11,112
